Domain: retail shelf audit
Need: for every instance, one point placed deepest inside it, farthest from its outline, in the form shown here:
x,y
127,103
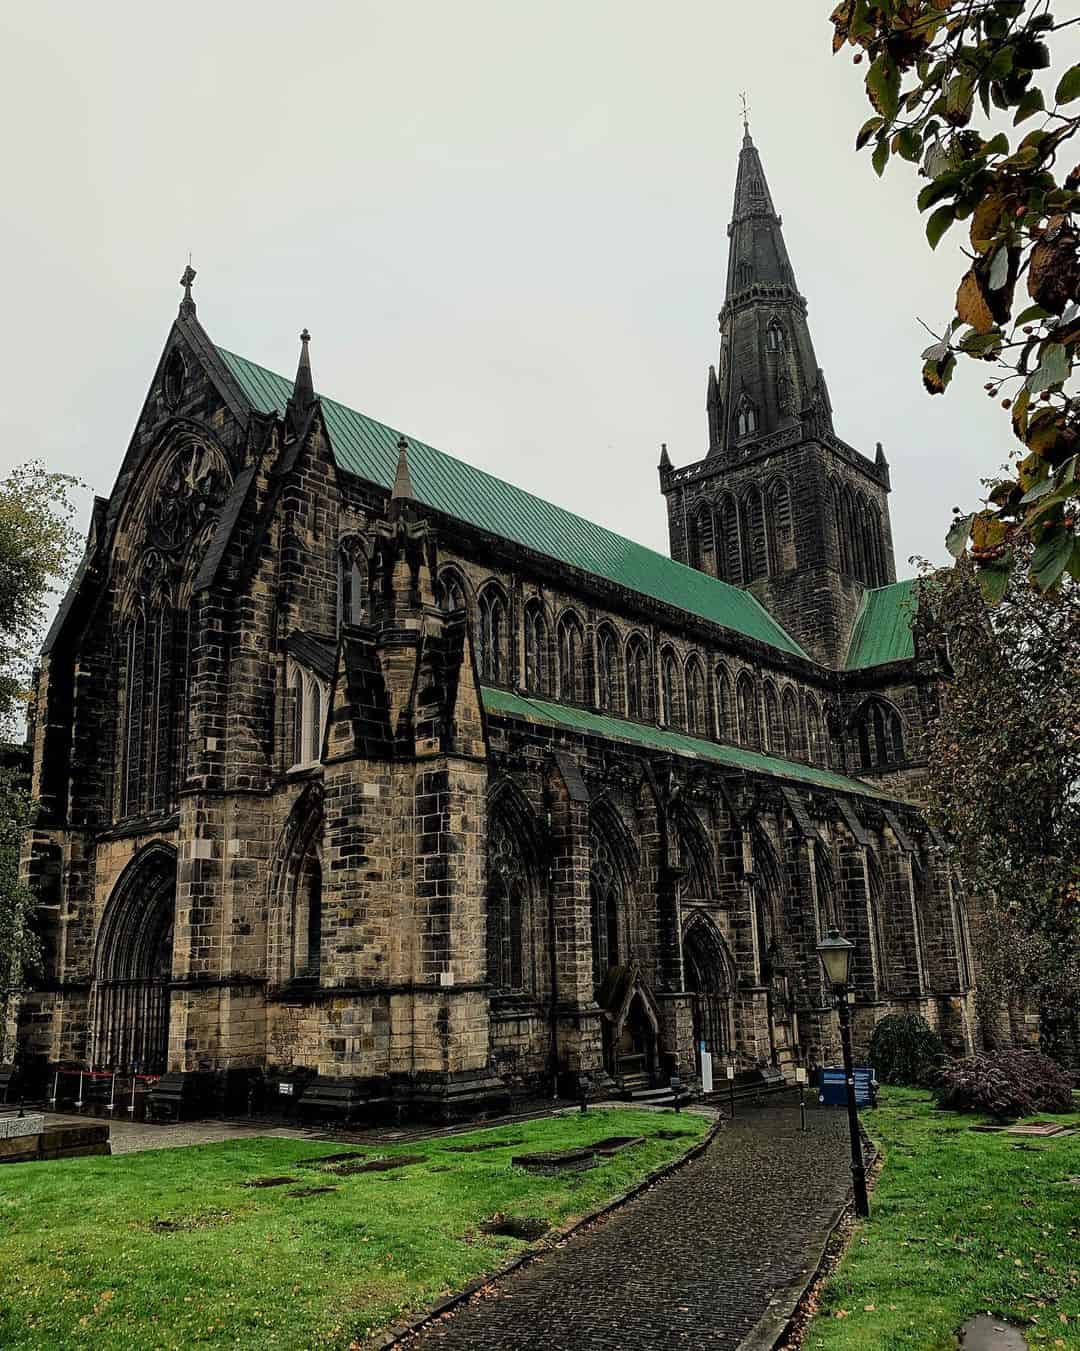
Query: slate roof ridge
x,y
268,391
586,721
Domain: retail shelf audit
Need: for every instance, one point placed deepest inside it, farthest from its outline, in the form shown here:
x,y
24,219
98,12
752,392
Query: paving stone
x,y
692,1263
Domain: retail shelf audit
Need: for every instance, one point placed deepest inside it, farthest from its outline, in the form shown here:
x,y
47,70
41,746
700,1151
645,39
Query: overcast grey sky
x,y
503,223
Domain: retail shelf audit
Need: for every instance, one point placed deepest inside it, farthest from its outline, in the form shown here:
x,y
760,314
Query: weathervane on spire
x,y
745,112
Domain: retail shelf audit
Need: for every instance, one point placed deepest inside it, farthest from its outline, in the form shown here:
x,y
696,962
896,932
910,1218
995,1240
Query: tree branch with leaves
x,y
954,85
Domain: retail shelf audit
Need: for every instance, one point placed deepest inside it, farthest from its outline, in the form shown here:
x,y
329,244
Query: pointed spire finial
x,y
187,305
402,488
303,395
665,458
745,119
879,457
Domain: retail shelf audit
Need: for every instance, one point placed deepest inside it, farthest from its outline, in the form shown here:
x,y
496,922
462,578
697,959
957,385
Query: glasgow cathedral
x,y
358,764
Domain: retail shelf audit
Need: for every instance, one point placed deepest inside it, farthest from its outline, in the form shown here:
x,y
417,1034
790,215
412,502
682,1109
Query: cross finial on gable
x,y
187,305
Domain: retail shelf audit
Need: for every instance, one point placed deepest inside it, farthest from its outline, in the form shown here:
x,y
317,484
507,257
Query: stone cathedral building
x,y
355,759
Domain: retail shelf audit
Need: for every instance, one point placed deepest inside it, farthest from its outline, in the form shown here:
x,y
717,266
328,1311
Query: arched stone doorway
x,y
133,966
709,976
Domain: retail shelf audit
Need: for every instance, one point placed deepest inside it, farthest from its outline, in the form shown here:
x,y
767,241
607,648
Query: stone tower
x,y
779,504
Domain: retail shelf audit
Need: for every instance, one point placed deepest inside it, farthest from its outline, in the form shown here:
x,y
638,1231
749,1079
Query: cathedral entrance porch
x,y
129,1001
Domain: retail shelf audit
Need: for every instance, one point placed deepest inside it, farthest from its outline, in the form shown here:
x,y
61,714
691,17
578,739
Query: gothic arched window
x,y
815,733
793,740
774,727
507,908
729,548
314,722
746,417
637,678
450,590
780,532
755,545
606,896
725,722
536,649
697,718
774,336
702,541
879,733
571,641
307,920
491,608
134,692
295,753
607,667
669,688
749,722
352,584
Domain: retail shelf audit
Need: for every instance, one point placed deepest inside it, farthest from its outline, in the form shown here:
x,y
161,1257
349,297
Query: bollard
x,y
676,1088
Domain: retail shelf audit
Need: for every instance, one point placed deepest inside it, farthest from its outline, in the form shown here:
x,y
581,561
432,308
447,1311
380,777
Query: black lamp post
x,y
835,953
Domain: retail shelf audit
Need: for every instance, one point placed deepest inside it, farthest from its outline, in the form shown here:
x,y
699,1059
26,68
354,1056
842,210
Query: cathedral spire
x,y
767,378
303,395
402,489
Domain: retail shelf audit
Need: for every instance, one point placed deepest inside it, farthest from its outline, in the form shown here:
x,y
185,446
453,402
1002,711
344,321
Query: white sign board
x,y
285,1089
800,1075
731,1071
706,1070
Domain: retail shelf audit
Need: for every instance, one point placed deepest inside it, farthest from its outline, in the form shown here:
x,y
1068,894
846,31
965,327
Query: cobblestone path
x,y
692,1263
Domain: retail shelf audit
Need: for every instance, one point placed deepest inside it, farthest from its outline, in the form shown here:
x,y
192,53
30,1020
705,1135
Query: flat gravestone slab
x,y
983,1333
556,1161
1036,1128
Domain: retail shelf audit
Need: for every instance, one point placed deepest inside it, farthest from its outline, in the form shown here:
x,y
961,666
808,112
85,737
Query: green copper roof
x,y
367,448
660,739
882,629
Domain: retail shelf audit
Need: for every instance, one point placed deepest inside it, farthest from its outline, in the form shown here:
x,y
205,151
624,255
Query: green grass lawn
x,y
170,1249
961,1223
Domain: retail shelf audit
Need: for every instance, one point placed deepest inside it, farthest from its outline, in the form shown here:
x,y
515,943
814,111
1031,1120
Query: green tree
x,y
38,547
1004,765
965,90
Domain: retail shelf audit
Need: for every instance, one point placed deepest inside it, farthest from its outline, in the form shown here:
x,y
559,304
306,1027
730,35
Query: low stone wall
x,y
58,1142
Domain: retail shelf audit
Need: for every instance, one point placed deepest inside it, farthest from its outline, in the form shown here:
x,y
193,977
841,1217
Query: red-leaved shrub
x,y
1004,1084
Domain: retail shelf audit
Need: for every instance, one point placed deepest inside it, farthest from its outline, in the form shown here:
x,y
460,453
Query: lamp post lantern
x,y
835,953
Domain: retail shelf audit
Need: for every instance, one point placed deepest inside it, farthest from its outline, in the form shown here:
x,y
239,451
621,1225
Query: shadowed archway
x,y
133,966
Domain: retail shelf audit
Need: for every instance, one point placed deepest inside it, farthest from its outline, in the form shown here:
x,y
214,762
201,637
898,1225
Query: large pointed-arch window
x,y
793,738
746,417
749,722
637,678
606,895
491,608
817,745
571,638
450,590
507,908
755,562
352,583
607,667
774,728
774,336
669,688
879,734
308,705
729,547
725,721
307,920
781,535
537,664
697,720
